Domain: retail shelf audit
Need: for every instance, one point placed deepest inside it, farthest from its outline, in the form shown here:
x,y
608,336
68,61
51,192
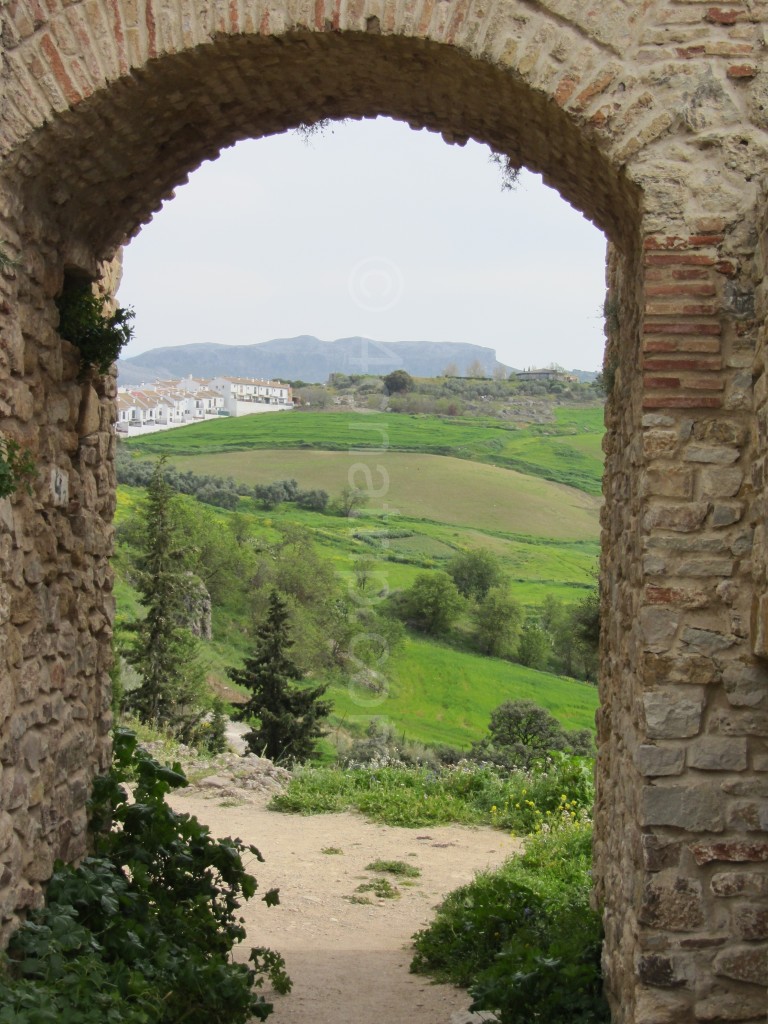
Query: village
x,y
164,404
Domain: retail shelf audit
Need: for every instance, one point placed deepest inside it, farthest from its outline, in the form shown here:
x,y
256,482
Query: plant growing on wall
x,y
17,467
100,336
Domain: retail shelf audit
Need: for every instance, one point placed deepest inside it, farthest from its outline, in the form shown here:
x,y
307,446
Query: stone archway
x,y
651,121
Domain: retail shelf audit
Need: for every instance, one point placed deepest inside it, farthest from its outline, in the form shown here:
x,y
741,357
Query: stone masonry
x,y
648,116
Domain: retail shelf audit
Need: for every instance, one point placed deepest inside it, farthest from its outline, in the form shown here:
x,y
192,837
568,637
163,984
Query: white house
x,y
243,396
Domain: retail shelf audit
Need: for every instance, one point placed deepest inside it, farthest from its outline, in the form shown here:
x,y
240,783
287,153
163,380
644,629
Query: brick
x,y
683,402
673,327
704,346
741,71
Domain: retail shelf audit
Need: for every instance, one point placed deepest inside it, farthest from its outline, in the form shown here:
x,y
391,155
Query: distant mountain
x,y
304,358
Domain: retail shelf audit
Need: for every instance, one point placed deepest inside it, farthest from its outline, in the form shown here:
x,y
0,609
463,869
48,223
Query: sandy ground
x,y
349,961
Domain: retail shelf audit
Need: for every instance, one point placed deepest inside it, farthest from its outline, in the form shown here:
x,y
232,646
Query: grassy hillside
x,y
441,695
567,450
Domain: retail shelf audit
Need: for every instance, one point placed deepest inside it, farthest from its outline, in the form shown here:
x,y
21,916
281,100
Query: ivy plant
x,y
100,336
141,932
17,467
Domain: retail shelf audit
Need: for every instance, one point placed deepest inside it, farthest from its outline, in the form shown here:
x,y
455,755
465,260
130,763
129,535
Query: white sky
x,y
369,229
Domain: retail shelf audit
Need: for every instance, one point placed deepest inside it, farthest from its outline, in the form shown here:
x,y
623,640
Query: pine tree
x,y
164,652
288,715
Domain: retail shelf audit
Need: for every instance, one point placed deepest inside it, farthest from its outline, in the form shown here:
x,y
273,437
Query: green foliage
x,y
397,382
351,500
554,789
475,572
163,651
520,732
382,888
432,603
17,467
394,867
141,932
497,622
288,716
524,937
534,644
99,336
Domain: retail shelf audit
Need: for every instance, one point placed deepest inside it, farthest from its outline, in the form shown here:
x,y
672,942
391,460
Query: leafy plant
x,y
141,932
524,937
394,867
17,467
99,336
381,888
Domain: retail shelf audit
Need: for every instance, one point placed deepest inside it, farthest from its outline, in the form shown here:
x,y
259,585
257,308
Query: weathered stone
x,y
670,482
734,850
658,625
746,685
718,754
671,716
716,483
677,907
695,809
659,852
707,641
743,964
652,760
730,1006
726,515
681,518
661,971
750,922
727,884
715,454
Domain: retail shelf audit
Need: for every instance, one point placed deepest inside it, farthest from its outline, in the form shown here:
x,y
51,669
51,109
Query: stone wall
x,y
651,119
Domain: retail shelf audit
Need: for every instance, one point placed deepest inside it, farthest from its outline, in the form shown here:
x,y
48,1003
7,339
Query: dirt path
x,y
349,961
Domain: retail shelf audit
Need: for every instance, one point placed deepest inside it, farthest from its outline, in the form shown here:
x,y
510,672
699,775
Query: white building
x,y
244,396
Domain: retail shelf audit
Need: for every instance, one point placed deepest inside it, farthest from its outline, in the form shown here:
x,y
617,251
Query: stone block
x,y
684,518
750,923
744,963
671,716
659,852
695,809
727,884
718,754
712,454
726,515
733,1005
746,685
658,626
738,851
676,907
706,641
651,760
661,971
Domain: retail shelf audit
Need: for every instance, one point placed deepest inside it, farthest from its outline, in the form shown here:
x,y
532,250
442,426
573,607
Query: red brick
x,y
720,16
66,84
677,328
661,290
725,267
681,259
703,345
713,383
676,363
661,382
594,89
682,402
742,71
687,52
678,242
565,89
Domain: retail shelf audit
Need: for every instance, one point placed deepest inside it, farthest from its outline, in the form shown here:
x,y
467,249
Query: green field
x,y
437,694
567,450
443,490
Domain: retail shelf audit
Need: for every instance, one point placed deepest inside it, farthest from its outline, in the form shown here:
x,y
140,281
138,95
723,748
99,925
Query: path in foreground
x,y
349,962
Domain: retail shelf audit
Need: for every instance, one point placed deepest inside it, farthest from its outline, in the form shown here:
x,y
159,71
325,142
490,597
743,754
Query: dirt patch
x,y
349,960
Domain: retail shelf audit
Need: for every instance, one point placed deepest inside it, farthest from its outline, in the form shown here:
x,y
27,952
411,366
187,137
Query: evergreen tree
x,y
163,651
288,715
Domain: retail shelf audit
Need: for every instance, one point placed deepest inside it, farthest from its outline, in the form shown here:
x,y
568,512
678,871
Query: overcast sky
x,y
369,229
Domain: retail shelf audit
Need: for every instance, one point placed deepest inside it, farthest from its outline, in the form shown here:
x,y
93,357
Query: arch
x,y
651,122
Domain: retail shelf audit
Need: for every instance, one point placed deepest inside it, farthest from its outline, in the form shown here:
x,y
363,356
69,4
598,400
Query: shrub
x,y
99,336
141,932
524,937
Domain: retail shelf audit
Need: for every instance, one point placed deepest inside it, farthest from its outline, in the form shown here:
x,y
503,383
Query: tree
x,y
163,651
451,370
518,732
497,622
363,568
397,382
476,369
475,572
432,603
351,500
288,715
534,644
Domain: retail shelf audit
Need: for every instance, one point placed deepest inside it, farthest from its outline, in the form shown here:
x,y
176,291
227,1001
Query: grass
x,y
566,451
438,694
394,867
382,888
557,789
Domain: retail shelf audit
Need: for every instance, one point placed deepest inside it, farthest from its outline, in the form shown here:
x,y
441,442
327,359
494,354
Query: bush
x,y
524,937
141,932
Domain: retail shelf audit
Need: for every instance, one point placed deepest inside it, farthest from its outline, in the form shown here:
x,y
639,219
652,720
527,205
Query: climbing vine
x,y
100,336
17,467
